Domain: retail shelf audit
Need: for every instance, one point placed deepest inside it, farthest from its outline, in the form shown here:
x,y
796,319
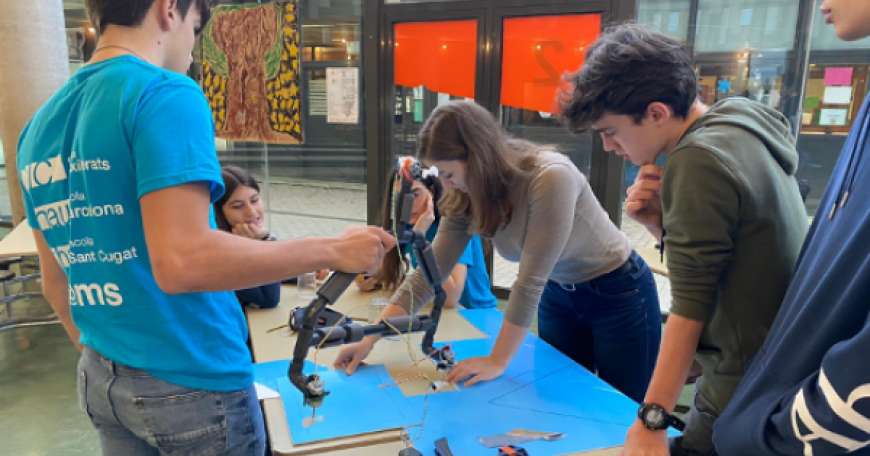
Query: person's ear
x,y
167,13
658,112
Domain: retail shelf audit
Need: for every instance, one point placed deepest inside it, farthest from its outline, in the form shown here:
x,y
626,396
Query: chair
x,y
9,278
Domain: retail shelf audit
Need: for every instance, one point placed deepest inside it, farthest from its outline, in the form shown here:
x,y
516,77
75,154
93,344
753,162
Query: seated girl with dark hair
x,y
240,211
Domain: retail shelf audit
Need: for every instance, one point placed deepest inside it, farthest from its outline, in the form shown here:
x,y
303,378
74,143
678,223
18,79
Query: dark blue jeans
x,y
137,414
610,325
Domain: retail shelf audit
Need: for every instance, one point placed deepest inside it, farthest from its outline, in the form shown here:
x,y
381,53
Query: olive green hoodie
x,y
734,224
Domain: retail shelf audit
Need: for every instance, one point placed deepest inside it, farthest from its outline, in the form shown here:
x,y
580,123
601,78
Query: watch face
x,y
655,418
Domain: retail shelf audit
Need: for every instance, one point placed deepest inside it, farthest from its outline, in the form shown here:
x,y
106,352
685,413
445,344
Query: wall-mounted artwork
x,y
251,72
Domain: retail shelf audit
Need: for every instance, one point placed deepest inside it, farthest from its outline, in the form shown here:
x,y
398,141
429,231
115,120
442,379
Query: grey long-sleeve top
x,y
558,231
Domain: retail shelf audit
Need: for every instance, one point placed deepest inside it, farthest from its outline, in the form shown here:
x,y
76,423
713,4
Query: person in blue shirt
x,y
468,283
118,171
240,211
807,391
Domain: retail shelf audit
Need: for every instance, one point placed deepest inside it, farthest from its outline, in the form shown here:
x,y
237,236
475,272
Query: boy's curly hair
x,y
626,69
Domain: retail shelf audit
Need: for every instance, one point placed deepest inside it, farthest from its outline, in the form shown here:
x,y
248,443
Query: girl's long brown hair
x,y
465,131
391,273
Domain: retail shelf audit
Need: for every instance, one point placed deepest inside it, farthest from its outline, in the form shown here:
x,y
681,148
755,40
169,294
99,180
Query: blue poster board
x,y
541,390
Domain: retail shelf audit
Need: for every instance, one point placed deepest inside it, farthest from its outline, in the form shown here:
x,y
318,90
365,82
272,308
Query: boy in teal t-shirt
x,y
118,171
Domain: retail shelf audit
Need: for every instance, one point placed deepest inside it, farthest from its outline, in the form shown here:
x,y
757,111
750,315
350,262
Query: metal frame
x,y
840,56
798,59
13,322
398,15
692,32
797,74
376,171
380,153
607,170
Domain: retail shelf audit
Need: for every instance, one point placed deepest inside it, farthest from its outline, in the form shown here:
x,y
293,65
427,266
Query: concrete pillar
x,y
33,66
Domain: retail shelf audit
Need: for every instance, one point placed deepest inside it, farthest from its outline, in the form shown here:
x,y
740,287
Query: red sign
x,y
439,55
538,51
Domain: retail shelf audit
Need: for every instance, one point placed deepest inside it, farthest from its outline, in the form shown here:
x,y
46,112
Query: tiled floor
x,y
39,413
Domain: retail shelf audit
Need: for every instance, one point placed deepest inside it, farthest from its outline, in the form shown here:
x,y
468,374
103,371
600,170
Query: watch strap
x,y
669,420
676,423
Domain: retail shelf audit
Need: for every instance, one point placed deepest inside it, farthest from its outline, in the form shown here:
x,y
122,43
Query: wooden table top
x,y
18,243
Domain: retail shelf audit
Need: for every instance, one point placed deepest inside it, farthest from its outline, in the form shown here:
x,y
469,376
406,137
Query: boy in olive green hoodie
x,y
726,207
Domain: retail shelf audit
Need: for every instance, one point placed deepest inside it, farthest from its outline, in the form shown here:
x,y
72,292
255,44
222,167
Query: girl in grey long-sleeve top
x,y
240,211
595,298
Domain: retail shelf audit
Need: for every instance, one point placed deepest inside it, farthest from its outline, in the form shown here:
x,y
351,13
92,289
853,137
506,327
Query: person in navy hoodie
x,y
807,391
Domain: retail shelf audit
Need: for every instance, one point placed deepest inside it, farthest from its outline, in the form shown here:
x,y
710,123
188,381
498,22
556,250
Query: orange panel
x,y
439,55
538,51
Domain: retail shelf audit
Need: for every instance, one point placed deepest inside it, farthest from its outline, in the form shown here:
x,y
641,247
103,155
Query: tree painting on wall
x,y
251,72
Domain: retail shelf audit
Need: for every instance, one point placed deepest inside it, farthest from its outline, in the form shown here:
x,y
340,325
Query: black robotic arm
x,y
313,388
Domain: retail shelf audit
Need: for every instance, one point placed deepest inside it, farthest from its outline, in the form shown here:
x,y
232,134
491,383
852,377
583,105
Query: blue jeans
x,y
610,325
697,438
136,414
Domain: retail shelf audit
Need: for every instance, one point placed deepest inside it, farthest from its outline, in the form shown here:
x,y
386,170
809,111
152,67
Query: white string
x,y
405,267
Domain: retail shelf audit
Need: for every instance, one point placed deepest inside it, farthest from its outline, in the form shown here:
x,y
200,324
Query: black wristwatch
x,y
655,418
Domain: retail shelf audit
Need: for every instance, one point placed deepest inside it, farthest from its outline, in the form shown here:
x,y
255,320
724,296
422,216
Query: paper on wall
x,y
342,95
833,117
838,95
838,76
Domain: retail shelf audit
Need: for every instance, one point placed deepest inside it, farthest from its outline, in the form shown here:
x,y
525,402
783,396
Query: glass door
x,y
510,60
536,52
433,62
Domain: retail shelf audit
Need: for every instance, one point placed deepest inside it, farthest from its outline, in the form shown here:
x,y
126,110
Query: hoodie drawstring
x,y
848,181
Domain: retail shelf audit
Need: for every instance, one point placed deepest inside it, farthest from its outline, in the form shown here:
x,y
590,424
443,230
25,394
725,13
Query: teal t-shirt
x,y
477,293
117,130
